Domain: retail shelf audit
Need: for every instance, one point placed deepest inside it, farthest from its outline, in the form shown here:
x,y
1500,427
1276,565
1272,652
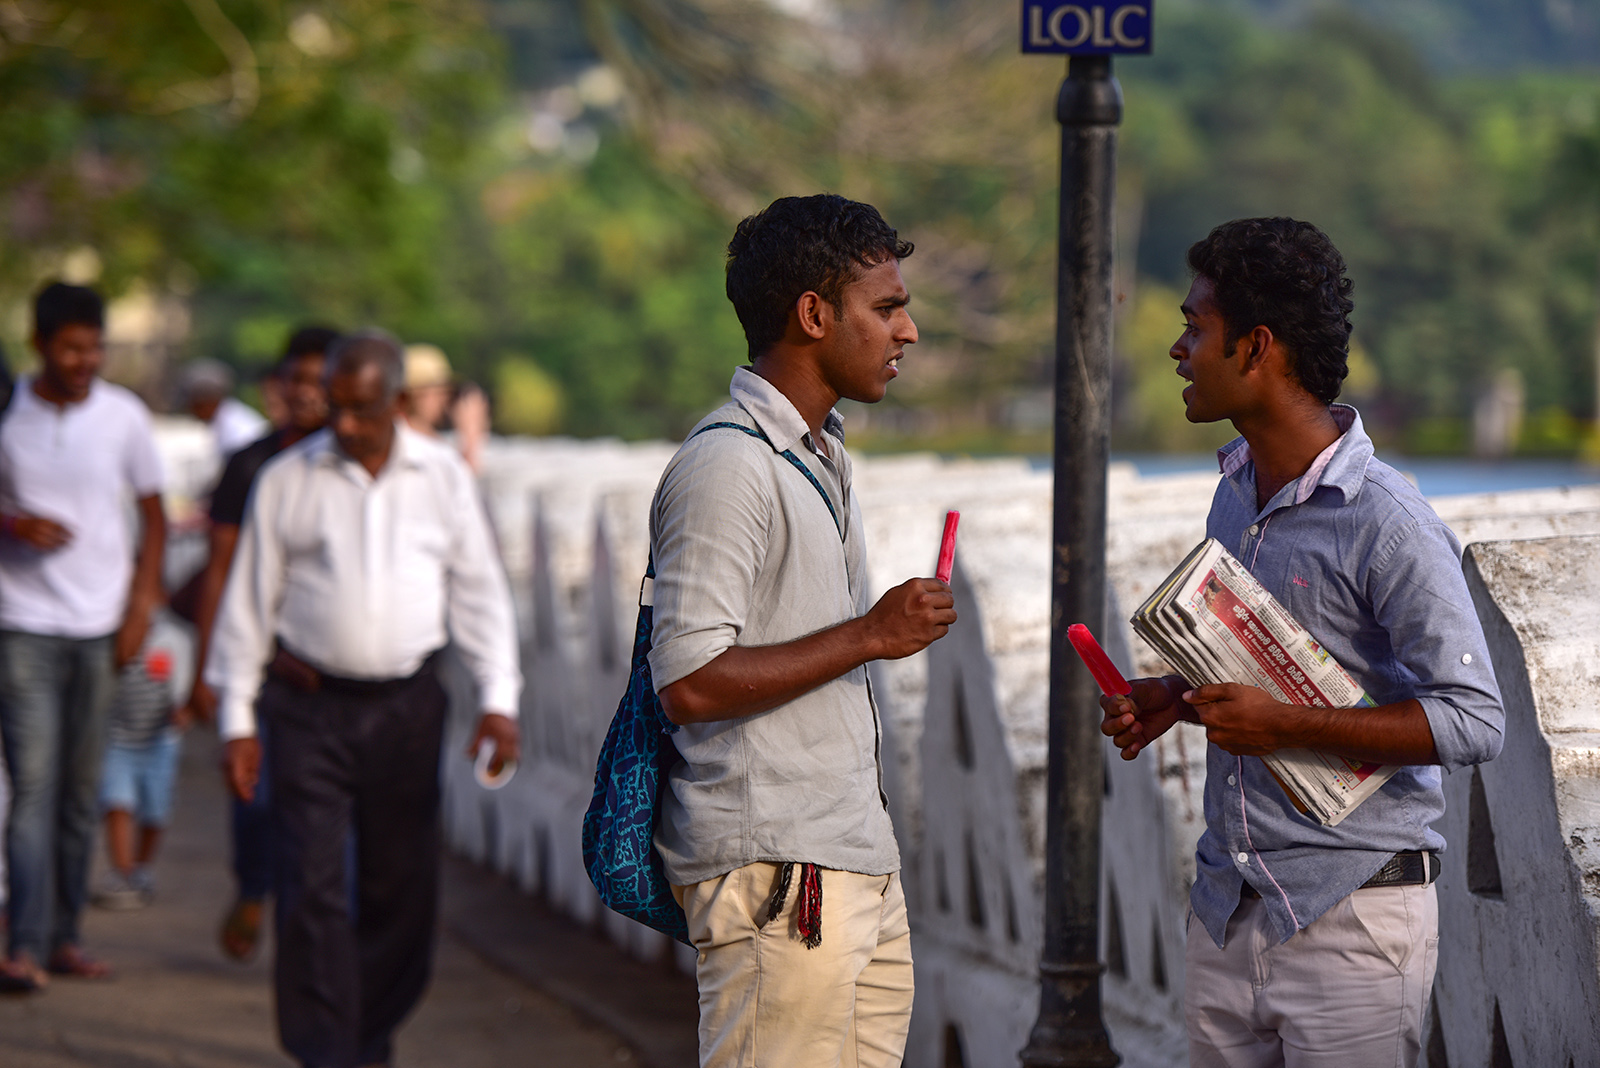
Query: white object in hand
x,y
480,767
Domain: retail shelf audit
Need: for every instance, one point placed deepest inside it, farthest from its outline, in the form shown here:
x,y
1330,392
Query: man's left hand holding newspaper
x,y
1247,721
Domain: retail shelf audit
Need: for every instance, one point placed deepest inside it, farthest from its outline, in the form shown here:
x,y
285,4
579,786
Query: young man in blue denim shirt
x,y
1312,945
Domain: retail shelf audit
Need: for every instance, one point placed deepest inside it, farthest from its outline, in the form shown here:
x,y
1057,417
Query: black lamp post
x,y
1070,1030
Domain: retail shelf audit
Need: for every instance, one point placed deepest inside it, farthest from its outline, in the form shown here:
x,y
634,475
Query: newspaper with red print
x,y
1214,623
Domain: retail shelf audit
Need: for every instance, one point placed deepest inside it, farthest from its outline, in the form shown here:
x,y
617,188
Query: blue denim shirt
x,y
1357,555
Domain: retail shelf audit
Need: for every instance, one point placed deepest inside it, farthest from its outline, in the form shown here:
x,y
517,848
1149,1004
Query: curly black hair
x,y
1287,276
309,341
797,245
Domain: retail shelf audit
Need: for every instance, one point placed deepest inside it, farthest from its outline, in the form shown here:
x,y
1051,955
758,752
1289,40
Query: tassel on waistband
x,y
808,911
808,914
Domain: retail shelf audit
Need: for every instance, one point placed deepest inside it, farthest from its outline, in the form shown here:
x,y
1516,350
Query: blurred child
x,y
147,723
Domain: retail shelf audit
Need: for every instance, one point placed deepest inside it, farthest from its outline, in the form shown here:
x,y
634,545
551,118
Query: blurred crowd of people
x,y
347,549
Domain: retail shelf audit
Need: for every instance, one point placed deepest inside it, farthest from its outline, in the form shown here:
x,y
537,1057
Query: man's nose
x,y
908,332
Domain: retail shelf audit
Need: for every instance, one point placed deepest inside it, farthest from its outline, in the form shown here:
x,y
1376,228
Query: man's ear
x,y
37,340
1255,347
815,315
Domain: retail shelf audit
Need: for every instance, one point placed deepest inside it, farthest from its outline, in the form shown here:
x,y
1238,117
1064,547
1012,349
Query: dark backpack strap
x,y
799,464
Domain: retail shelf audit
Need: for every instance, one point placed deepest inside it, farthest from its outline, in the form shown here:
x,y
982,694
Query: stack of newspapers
x,y
1214,623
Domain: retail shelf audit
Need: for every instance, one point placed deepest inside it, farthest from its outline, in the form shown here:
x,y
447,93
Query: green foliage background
x,y
456,172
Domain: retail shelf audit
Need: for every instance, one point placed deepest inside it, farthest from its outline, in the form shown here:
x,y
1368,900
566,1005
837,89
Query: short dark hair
x,y
380,349
309,341
813,244
1287,276
59,304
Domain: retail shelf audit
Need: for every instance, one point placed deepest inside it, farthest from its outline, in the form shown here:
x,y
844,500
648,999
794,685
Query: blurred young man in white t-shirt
x,y
74,604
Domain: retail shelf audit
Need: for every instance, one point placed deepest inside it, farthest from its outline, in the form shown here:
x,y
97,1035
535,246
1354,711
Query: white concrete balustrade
x,y
965,741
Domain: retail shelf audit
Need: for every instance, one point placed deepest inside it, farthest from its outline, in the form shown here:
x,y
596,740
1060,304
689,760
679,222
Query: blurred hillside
x,y
545,187
1472,34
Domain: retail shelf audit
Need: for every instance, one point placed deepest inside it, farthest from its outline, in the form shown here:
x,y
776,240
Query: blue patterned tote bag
x,y
620,826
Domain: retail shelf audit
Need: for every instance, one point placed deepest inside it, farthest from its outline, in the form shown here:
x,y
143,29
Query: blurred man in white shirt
x,y
364,550
73,606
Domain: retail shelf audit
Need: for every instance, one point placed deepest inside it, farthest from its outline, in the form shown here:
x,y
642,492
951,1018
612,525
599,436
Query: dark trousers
x,y
253,863
362,768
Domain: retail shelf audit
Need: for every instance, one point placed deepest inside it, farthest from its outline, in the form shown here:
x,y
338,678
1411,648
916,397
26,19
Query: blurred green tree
x,y
273,162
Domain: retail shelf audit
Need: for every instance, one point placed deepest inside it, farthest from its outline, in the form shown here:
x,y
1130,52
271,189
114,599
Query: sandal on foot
x,y
21,976
241,929
74,962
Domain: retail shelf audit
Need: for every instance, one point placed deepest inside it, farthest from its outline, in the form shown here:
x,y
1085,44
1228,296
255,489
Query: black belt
x,y
1410,868
297,673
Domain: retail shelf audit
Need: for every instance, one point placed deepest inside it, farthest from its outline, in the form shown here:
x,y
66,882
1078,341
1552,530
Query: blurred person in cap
x,y
332,654
432,396
77,590
299,381
208,394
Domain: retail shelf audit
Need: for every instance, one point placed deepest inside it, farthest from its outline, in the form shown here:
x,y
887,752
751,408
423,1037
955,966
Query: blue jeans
x,y
55,694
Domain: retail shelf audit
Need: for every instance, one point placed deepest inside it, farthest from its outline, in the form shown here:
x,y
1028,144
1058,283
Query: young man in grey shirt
x,y
774,829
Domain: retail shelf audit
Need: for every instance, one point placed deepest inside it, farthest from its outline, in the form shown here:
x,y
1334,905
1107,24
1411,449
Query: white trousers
x,y
766,1001
1350,989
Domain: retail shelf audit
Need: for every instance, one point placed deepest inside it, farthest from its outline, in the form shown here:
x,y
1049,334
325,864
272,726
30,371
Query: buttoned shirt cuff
x,y
236,719
500,695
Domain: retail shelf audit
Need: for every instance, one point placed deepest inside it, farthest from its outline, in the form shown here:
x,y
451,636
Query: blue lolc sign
x,y
1086,28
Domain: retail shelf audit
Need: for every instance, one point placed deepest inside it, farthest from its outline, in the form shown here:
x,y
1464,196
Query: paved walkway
x,y
176,1001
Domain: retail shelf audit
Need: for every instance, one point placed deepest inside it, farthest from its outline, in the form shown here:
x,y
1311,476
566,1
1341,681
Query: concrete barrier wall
x,y
1519,900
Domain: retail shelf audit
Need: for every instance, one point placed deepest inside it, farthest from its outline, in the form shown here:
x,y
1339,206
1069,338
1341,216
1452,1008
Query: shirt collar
x,y
322,448
1341,466
24,388
774,413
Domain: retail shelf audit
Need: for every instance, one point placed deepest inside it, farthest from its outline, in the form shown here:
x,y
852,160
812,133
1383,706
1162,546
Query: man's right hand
x,y
910,617
241,766
43,534
202,704
1146,713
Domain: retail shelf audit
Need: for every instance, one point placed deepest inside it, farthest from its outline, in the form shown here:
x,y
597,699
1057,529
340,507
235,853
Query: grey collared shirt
x,y
746,553
1359,557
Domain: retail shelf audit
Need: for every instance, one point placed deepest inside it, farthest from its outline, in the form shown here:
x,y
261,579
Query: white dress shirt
x,y
363,577
236,425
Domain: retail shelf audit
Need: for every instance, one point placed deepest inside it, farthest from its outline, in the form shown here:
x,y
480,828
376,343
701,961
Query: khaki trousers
x,y
766,1001
1348,990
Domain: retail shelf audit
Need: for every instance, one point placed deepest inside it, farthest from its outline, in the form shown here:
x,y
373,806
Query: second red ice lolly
x,y
947,547
1105,673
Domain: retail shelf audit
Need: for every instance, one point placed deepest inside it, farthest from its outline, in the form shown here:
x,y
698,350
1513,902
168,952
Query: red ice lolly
x,y
947,547
1105,673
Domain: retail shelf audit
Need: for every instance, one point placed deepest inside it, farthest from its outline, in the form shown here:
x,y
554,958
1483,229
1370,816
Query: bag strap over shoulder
x,y
647,588
787,454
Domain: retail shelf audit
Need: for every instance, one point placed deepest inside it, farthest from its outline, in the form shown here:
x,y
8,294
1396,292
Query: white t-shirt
x,y
236,425
79,465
